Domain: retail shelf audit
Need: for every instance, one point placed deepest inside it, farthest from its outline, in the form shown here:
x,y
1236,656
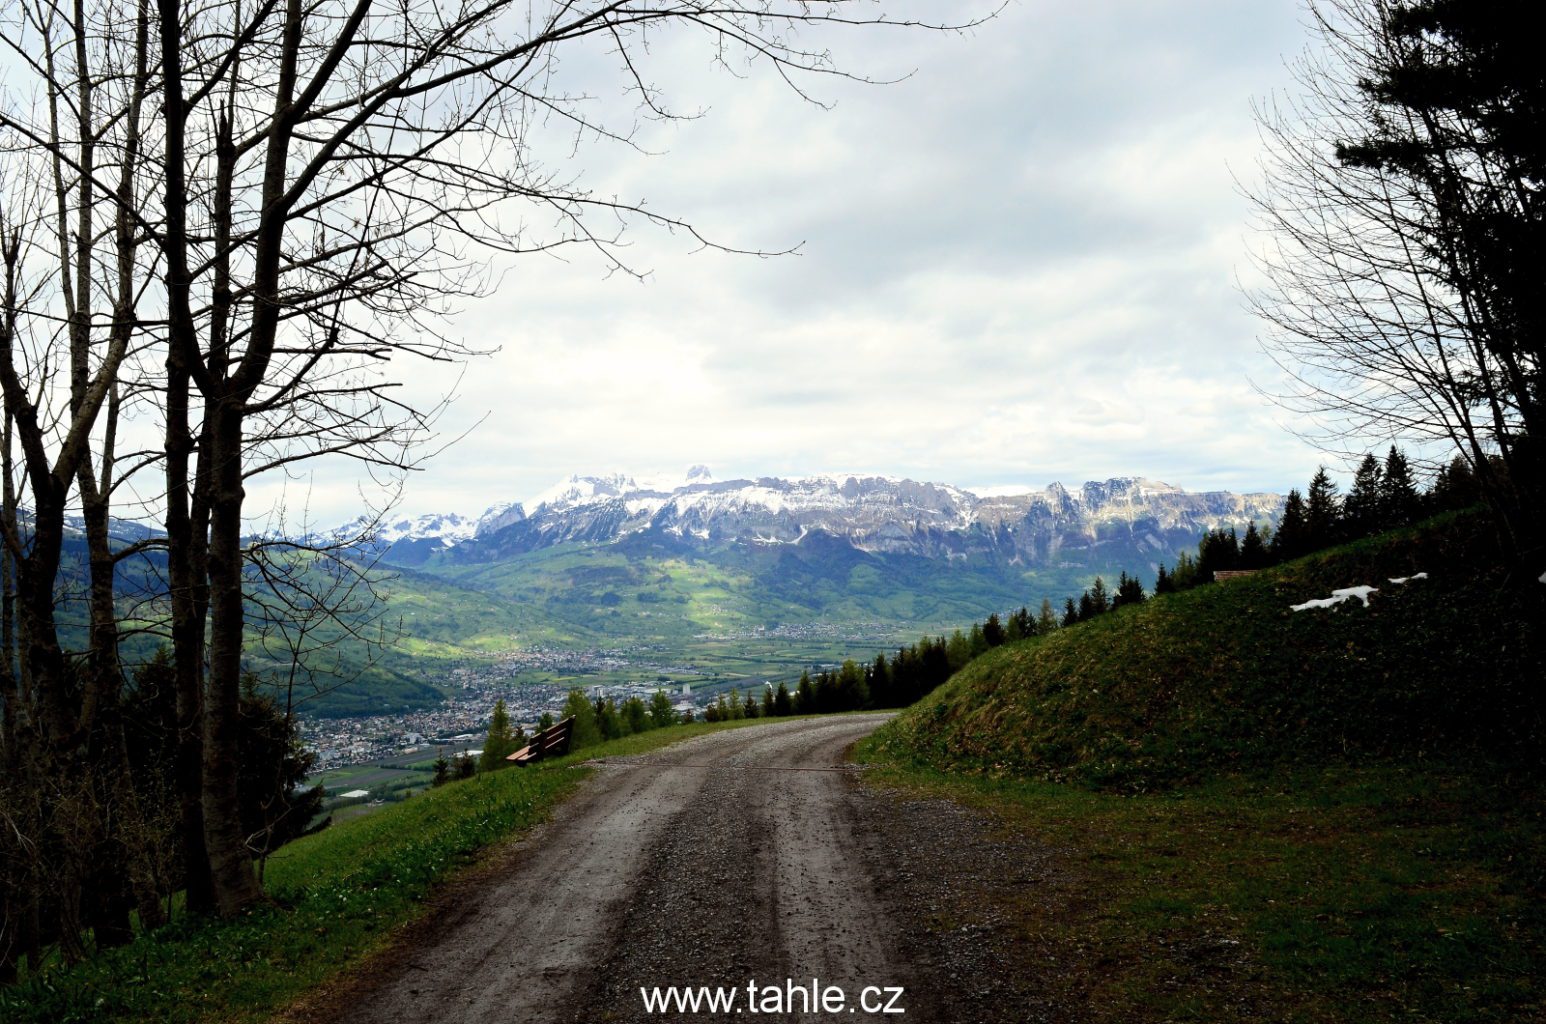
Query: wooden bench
x,y
550,742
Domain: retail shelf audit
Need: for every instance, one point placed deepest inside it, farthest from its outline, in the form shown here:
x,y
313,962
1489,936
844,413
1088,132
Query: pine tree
x,y
977,640
1129,591
1455,488
1323,512
1070,613
1163,584
805,696
442,770
958,650
851,693
750,708
499,742
1364,510
1100,597
1218,551
584,732
635,716
1292,537
881,695
783,703
1398,494
993,631
826,694
1253,550
1184,575
767,702
466,766
661,712
1047,620
608,720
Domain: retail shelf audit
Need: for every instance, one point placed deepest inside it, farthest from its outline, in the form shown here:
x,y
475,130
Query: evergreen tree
x,y
767,702
881,695
608,720
1292,537
661,712
1047,620
933,665
958,650
826,693
977,641
546,721
805,696
1398,494
465,766
1129,591
499,742
1070,613
1363,512
1455,488
1086,607
906,676
993,631
783,701
1253,549
1100,597
750,708
852,694
1185,575
272,765
1323,512
1218,551
636,718
442,770
584,732
1163,584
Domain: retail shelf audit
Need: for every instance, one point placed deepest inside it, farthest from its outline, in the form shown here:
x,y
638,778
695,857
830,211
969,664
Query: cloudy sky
x,y
1019,265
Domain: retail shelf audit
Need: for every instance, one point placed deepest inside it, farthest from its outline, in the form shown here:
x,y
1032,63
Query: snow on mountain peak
x,y
449,529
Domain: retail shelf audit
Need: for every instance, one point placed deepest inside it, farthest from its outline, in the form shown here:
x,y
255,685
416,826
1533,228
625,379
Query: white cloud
x,y
1018,264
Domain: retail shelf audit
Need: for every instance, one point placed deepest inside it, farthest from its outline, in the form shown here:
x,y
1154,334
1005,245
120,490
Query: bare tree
x,y
1384,303
350,162
261,208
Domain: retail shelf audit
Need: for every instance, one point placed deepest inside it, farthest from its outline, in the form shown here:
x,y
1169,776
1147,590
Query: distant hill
x,y
605,561
1228,676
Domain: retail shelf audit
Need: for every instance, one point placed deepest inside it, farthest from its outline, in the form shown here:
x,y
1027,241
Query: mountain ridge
x,y
872,513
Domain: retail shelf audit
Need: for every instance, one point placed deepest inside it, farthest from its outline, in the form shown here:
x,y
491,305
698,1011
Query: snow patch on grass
x,y
1337,597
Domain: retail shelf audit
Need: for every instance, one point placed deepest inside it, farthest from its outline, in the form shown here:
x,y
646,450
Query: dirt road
x,y
745,856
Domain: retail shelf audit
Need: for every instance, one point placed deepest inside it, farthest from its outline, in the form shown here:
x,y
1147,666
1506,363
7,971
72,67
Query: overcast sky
x,y
1019,265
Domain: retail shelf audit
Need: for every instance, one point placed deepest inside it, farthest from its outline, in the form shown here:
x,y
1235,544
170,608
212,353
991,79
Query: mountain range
x,y
1127,522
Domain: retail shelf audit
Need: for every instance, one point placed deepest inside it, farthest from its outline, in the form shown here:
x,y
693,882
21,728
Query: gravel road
x,y
750,855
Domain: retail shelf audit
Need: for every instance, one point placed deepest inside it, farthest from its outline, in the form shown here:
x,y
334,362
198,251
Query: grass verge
x,y
336,896
1350,893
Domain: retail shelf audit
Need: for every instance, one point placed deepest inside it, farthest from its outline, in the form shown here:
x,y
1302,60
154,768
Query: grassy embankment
x,y
1353,796
336,896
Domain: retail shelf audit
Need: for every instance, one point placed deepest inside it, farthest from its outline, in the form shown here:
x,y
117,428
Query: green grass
x,y
1352,795
1227,677
335,897
1355,893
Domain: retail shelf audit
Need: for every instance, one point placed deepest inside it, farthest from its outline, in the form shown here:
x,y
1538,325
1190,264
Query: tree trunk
x,y
236,886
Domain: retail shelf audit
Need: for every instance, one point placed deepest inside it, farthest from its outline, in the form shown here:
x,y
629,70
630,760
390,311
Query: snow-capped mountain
x,y
875,514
